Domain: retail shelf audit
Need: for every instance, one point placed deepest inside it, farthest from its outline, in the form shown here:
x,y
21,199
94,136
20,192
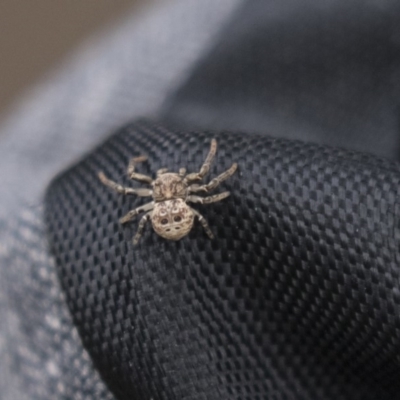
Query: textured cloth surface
x,y
323,71
126,73
297,297
40,347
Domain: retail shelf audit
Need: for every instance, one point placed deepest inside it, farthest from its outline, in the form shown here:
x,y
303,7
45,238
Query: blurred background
x,y
37,35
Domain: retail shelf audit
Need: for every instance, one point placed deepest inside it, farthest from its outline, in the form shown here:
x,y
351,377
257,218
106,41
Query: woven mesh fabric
x,y
41,354
297,297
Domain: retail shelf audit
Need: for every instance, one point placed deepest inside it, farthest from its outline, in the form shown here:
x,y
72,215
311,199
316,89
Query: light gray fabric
x,y
43,355
127,73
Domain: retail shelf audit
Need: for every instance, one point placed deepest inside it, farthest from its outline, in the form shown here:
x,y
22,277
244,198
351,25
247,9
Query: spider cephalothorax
x,y
171,216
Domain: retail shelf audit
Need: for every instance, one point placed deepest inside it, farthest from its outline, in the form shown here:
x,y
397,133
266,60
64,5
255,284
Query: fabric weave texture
x,y
297,297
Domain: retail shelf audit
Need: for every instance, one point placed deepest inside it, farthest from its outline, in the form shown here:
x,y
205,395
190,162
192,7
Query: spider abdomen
x,y
172,219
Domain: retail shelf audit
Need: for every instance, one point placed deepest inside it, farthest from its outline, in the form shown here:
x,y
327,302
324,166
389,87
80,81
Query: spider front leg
x,y
196,176
134,175
214,182
182,172
161,171
208,199
132,214
123,190
141,226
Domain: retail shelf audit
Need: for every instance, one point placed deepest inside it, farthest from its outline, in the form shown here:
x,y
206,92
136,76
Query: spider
x,y
171,216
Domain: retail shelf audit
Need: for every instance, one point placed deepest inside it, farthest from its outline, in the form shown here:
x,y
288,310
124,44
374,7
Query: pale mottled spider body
x,y
171,216
172,219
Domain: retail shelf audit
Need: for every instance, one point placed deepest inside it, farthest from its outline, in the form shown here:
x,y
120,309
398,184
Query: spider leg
x,y
203,222
208,199
134,175
195,176
141,226
142,192
214,182
182,172
161,171
132,214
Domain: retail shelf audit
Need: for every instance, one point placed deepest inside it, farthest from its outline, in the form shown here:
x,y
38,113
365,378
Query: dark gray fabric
x,y
296,298
326,72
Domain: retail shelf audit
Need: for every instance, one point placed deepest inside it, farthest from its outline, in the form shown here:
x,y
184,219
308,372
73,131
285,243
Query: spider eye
x,y
177,218
164,221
